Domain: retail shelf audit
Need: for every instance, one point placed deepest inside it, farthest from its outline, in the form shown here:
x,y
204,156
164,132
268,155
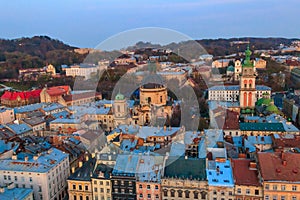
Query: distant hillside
x,y
220,47
34,52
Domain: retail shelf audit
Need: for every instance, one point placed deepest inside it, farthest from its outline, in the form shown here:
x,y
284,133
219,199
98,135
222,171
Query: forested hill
x,y
222,47
34,52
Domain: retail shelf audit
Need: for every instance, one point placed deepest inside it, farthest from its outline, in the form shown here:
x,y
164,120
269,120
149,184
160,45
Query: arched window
x,y
245,99
245,83
250,99
250,83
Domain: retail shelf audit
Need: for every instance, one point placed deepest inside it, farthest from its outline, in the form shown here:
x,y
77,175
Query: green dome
x,y
120,96
230,68
272,108
263,101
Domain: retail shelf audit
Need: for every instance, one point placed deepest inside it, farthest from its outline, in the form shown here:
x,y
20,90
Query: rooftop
x,y
19,128
219,173
15,193
45,162
182,168
243,174
279,166
278,127
85,172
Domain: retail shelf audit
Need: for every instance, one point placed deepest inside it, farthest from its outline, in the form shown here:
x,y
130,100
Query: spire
x,y
247,62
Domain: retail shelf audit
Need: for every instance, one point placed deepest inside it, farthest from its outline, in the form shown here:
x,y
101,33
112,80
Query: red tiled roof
x,y
283,142
226,119
242,174
279,166
58,90
8,95
293,63
73,97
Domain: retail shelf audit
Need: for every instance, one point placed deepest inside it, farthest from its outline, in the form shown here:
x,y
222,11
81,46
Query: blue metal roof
x,y
45,162
219,174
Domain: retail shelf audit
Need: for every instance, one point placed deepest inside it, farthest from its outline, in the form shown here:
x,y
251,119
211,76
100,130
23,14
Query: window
x,y
141,195
95,189
230,193
267,187
222,193
294,198
187,194
86,187
5,177
16,178
214,192
30,179
148,187
149,196
294,188
274,188
156,187
165,193
80,187
140,186
247,191
101,182
239,191
74,187
283,187
275,197
282,198
179,193
172,193
74,197
256,192
267,197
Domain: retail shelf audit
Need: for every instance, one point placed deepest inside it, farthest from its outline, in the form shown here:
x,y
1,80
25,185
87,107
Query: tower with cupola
x,y
120,108
247,83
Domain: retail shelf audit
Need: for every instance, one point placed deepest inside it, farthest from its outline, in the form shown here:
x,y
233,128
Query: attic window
x,y
226,181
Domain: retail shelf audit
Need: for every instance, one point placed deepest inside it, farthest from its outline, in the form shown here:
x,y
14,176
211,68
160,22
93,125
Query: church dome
x,y
263,101
230,68
119,96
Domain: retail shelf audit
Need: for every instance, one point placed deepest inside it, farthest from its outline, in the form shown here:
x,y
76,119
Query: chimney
x,y
80,164
35,157
284,162
26,158
2,190
86,157
93,155
165,127
73,170
14,157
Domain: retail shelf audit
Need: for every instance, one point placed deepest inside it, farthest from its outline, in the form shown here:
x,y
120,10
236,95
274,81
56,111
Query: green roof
x,y
278,127
191,168
263,101
120,96
272,108
247,62
230,68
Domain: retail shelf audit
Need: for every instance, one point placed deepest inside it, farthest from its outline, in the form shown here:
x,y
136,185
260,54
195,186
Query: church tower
x,y
247,83
120,108
237,69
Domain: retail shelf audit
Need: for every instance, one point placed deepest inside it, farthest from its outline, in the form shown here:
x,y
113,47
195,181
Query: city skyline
x,y
84,24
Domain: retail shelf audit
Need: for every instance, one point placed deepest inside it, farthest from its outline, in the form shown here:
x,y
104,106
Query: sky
x,y
87,23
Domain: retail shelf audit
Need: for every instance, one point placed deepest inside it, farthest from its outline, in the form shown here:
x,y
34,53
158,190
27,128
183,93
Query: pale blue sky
x,y
86,23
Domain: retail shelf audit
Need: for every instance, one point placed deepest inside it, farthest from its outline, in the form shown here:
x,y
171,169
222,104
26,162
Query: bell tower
x,y
247,83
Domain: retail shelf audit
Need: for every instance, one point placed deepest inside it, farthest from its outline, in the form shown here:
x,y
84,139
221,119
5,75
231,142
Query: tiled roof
x,y
279,166
73,97
58,90
243,175
8,95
